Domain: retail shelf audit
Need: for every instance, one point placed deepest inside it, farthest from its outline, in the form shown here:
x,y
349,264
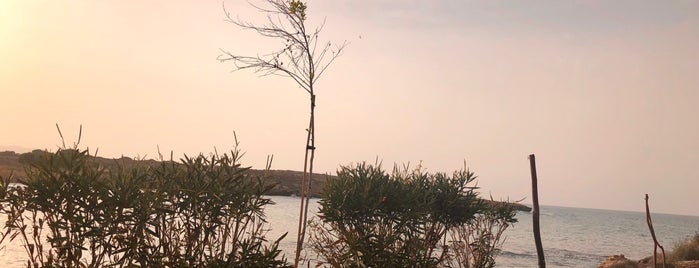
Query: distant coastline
x,y
287,182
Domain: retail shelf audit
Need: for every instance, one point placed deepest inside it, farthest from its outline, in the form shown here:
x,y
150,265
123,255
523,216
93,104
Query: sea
x,y
571,237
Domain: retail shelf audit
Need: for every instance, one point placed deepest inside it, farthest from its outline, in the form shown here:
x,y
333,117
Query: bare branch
x,y
300,57
336,54
259,65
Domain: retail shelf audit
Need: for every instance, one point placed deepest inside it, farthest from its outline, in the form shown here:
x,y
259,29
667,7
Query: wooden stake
x,y
535,214
656,245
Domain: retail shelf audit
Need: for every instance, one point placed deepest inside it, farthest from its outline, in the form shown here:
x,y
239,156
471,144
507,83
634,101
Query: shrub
x,y
687,250
478,243
202,212
372,219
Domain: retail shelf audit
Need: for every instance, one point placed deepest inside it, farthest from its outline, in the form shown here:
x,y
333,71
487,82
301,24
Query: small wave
x,y
572,258
510,254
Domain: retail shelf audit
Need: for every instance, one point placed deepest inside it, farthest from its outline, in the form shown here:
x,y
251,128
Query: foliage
x,y
202,212
298,9
687,250
373,219
478,243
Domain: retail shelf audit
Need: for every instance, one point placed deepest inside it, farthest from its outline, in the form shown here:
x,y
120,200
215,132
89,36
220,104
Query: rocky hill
x,y
287,182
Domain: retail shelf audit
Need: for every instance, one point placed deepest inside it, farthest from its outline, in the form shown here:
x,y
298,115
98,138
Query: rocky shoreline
x,y
620,261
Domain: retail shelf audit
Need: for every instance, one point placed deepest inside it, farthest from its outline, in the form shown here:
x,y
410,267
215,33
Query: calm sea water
x,y
572,237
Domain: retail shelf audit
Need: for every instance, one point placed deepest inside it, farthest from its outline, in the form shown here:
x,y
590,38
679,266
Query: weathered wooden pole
x,y
655,240
535,214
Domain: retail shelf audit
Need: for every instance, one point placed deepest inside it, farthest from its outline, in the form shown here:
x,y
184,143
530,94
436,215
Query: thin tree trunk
x,y
299,242
535,213
310,180
305,184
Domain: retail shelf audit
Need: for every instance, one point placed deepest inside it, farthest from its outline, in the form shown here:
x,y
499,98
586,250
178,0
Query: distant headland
x,y
287,182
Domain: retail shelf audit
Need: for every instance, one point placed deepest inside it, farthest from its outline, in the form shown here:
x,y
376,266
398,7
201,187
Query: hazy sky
x,y
605,93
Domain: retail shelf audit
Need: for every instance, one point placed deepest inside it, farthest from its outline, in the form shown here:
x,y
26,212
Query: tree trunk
x,y
306,183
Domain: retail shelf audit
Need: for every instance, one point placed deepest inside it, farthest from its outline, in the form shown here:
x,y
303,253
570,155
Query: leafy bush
x,y
202,212
372,219
478,243
687,250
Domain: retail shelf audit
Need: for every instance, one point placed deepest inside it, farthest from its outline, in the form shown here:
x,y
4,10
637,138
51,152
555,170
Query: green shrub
x,y
202,212
478,243
372,219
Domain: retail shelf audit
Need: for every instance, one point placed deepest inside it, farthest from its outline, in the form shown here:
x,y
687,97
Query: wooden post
x,y
655,241
535,214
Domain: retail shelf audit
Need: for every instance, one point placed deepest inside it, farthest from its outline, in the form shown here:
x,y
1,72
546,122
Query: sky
x,y
604,93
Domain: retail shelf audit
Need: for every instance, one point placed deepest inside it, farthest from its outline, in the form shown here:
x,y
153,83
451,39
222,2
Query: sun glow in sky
x,y
605,93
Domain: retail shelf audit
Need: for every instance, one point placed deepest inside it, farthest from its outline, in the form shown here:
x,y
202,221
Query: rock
x,y
647,262
686,264
618,261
